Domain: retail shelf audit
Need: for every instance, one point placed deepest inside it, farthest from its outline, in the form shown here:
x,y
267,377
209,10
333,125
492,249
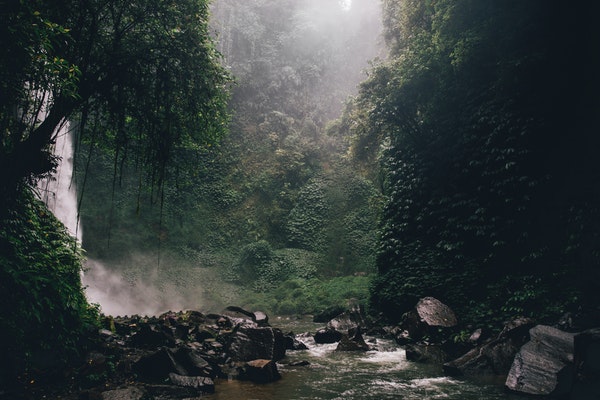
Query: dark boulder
x,y
544,365
587,364
205,333
428,313
248,343
194,317
353,343
261,318
152,336
157,366
260,371
291,343
239,313
193,362
327,335
348,320
495,356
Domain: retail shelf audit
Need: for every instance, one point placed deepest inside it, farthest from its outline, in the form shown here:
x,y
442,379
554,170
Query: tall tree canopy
x,y
486,109
141,77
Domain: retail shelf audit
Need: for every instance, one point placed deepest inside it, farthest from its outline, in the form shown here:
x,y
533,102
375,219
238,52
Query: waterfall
x,y
59,191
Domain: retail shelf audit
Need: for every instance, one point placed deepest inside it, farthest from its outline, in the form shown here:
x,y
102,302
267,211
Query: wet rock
x,y
152,336
327,335
128,393
192,362
261,318
353,343
544,365
249,343
157,366
435,313
402,337
239,315
302,363
200,383
348,320
291,343
428,313
495,356
260,371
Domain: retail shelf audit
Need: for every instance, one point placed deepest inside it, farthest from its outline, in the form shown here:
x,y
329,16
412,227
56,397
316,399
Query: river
x,y
378,375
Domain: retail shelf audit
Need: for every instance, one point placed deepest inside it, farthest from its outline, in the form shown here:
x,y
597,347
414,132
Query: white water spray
x,y
58,191
106,286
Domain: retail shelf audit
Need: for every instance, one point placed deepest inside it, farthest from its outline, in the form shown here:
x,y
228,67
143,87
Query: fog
x,y
315,49
298,58
136,285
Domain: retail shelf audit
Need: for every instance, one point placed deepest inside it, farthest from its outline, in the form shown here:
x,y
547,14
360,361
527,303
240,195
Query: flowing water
x,y
378,374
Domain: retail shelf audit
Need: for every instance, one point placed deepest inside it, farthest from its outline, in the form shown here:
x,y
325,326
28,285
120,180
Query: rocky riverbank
x,y
180,355
561,361
177,355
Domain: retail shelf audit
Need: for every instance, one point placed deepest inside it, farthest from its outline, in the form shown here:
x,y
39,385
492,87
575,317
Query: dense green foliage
x,y
45,319
141,81
142,78
278,183
485,113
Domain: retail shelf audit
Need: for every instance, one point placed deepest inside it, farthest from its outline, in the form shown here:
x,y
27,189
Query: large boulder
x,y
494,357
428,315
349,320
587,364
193,362
327,335
435,313
260,371
544,365
248,343
353,343
151,336
239,316
157,366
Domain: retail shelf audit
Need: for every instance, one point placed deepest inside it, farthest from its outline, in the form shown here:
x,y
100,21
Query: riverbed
x,y
382,373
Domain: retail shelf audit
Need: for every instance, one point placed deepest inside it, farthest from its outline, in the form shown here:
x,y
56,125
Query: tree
x,y
481,164
140,77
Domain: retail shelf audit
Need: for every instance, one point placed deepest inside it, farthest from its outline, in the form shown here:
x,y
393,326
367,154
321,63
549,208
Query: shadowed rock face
x,y
544,365
257,343
495,356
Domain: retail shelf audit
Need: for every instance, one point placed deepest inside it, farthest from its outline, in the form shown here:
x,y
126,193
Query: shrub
x,y
44,314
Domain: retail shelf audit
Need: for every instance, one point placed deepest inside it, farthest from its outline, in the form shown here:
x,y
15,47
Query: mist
x,y
136,285
295,63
